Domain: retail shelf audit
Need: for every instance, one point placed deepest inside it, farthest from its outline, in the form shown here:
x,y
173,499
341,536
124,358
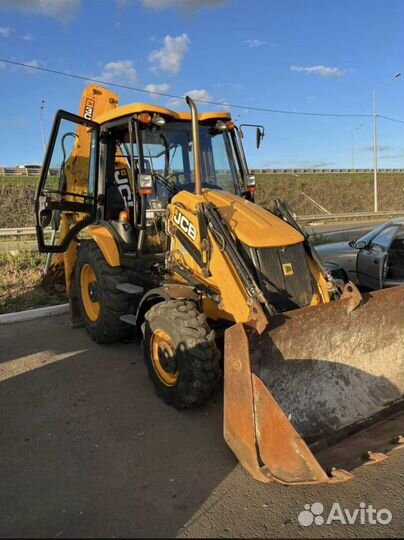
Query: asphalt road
x,y
341,232
88,450
334,232
331,226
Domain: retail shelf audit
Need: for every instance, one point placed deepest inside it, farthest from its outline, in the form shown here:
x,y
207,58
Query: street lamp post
x,y
396,76
353,145
41,122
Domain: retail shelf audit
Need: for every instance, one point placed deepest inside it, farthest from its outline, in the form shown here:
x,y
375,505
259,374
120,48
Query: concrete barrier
x,y
28,315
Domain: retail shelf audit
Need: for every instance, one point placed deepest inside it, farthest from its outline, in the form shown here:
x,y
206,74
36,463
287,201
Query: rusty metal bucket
x,y
315,380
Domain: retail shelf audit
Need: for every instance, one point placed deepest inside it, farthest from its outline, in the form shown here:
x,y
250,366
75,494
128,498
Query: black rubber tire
x,y
197,356
108,328
340,276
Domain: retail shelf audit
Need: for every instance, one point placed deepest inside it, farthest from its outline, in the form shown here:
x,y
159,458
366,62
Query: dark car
x,y
374,261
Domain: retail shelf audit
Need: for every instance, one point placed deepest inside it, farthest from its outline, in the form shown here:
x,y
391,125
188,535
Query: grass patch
x,y
338,193
20,284
17,202
20,274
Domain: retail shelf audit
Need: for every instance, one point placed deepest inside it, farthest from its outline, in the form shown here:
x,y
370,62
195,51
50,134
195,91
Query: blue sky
x,y
321,56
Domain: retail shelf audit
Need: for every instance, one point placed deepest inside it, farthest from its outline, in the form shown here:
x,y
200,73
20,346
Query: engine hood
x,y
252,224
335,247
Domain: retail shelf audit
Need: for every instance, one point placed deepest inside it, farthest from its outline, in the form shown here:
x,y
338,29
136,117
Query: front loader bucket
x,y
320,380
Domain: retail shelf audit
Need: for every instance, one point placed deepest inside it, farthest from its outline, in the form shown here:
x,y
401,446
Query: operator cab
x,y
160,150
124,167
167,156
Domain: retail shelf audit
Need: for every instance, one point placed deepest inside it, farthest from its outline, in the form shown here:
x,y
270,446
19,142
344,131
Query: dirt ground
x,y
88,450
20,284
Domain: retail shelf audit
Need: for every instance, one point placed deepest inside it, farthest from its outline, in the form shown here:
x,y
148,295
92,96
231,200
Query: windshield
x,y
370,235
168,151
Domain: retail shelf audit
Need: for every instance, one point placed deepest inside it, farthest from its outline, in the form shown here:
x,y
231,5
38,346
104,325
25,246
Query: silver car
x,y
374,261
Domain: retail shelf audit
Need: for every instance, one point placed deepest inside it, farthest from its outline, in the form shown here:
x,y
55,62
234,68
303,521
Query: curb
x,y
28,315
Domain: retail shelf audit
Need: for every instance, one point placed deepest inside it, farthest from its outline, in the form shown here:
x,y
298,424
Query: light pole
x,y
353,145
41,122
396,76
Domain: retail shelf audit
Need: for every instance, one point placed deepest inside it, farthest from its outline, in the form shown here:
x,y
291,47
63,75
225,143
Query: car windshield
x,y
168,151
368,237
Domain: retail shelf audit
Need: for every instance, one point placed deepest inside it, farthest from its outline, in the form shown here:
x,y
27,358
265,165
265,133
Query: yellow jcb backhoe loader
x,y
153,212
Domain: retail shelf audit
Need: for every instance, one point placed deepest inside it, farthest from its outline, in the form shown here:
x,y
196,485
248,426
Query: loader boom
x,y
315,373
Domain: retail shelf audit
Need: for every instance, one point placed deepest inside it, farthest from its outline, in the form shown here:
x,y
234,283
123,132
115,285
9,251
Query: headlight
x,y
158,120
250,183
145,184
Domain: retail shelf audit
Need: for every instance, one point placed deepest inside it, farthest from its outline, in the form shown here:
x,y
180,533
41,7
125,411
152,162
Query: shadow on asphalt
x,y
87,449
86,446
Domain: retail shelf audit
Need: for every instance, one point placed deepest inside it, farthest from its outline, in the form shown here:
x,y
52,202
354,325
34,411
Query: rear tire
x,y
101,304
180,353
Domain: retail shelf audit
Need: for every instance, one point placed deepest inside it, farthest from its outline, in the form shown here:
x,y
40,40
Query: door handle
x,y
376,261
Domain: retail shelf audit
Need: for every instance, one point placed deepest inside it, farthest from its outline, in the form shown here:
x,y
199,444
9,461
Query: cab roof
x,y
136,108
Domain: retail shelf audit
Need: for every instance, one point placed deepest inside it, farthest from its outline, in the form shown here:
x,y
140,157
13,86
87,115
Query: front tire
x,y
101,304
180,353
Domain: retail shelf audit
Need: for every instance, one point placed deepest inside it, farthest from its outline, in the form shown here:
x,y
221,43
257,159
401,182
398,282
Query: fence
x,y
25,171
36,171
30,231
311,171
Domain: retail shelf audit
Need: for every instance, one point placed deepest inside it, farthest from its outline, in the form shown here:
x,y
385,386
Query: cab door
x,y
66,198
372,260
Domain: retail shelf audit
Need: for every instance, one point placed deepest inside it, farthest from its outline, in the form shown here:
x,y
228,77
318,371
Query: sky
x,y
316,56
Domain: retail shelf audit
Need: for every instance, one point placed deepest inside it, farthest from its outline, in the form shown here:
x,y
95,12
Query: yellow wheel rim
x,y
163,358
89,292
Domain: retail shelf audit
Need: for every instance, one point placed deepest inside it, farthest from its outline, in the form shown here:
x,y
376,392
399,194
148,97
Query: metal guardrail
x,y
353,215
297,172
29,231
36,171
26,171
18,231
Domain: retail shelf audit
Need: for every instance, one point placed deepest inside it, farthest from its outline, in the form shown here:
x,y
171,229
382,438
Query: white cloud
x,y
62,9
381,148
34,63
270,163
313,164
162,88
323,71
18,122
225,104
5,31
201,95
121,70
400,155
252,43
231,85
189,5
169,58
13,68
198,95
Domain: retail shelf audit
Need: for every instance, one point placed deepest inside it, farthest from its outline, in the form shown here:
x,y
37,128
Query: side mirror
x,y
260,136
260,133
360,244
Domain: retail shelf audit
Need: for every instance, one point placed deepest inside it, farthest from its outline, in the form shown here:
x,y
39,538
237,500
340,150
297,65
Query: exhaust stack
x,y
197,150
